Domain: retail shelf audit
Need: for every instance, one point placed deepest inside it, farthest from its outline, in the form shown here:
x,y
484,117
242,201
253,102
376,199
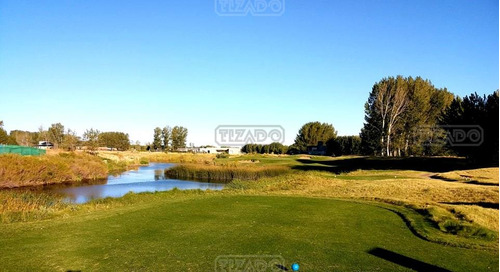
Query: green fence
x,y
21,150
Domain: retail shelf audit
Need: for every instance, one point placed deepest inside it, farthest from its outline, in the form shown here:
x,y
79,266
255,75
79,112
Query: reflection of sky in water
x,y
146,179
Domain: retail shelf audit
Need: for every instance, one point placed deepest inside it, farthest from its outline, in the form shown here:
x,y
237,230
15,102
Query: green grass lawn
x,y
164,232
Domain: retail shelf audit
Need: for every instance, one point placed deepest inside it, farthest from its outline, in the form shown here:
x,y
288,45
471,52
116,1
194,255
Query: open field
x,y
325,213
186,231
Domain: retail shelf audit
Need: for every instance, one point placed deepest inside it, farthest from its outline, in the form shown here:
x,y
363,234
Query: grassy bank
x,y
118,162
18,171
187,231
224,172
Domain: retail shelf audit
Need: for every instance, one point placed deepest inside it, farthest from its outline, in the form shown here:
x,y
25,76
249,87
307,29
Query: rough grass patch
x,y
227,172
17,171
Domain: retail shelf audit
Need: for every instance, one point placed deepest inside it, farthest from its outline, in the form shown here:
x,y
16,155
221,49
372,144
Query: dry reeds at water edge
x,y
223,172
17,170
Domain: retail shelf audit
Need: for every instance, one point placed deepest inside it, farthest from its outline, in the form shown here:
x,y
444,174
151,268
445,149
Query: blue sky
x,y
133,65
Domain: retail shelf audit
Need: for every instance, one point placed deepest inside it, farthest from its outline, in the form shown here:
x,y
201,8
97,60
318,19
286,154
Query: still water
x,y
145,179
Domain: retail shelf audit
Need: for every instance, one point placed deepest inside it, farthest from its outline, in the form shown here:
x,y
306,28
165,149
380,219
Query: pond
x,y
149,178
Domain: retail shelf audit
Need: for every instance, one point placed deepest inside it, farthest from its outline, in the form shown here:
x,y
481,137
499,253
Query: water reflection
x,y
145,179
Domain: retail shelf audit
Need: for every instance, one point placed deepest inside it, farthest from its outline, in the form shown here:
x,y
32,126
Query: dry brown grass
x,y
135,157
225,172
17,171
482,175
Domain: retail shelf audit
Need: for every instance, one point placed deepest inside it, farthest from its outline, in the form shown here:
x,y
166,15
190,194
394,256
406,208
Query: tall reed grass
x,y
23,205
17,171
224,172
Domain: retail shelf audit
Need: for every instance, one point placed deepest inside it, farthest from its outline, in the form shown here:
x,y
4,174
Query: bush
x,y
222,156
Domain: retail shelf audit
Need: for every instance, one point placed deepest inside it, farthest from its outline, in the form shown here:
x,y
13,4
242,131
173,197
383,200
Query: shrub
x,y
222,156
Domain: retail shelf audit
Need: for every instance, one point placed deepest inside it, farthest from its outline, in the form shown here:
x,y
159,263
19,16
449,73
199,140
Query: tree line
x,y
410,117
273,148
169,139
396,112
66,139
310,135
406,116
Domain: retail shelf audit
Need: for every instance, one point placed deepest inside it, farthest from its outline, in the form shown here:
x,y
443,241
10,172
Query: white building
x,y
219,150
45,145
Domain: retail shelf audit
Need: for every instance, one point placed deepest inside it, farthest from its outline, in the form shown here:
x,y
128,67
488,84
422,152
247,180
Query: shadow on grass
x,y
283,268
473,182
377,163
489,205
404,261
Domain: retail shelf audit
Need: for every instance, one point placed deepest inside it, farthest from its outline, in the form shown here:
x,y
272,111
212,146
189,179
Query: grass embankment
x,y
462,209
18,171
186,231
224,173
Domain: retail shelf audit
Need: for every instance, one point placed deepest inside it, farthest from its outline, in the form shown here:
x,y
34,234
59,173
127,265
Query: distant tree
x,y
70,140
179,137
43,135
22,137
166,137
157,138
273,148
116,140
137,146
91,136
277,148
56,134
312,133
344,145
34,138
6,138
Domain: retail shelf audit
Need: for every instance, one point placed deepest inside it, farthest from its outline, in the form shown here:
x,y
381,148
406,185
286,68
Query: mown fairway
x,y
169,233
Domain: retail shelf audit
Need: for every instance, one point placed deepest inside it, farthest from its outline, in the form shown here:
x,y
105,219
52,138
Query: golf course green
x,y
187,231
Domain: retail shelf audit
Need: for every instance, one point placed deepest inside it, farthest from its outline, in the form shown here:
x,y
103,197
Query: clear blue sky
x,y
133,65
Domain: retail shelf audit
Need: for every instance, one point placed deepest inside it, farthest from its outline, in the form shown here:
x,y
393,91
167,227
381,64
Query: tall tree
x,y
479,113
166,135
396,111
70,140
6,138
312,133
91,136
22,137
114,140
56,134
179,136
426,104
157,138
